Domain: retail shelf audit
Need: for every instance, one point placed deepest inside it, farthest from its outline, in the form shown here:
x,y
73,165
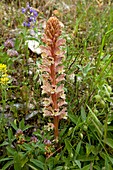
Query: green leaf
x,y
83,114
110,128
4,143
58,168
14,125
106,163
95,121
27,127
10,150
27,147
109,142
77,149
38,134
103,155
17,160
89,148
31,166
5,159
68,146
111,159
41,147
7,165
21,124
73,118
24,161
10,135
84,158
78,163
96,167
87,167
38,163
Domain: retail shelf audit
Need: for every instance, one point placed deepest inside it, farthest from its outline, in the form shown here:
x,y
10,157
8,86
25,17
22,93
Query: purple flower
x,y
9,43
34,139
31,10
12,53
34,20
19,132
31,16
35,13
47,142
23,10
26,24
27,5
31,19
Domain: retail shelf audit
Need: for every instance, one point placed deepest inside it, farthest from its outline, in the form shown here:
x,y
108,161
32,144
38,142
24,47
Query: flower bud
x,y
9,43
85,127
109,89
97,98
34,139
81,135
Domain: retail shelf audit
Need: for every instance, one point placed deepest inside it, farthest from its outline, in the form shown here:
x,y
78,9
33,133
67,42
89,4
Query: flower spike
x,y
53,73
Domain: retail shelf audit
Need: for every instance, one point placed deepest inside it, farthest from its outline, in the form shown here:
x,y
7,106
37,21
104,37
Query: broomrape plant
x,y
53,73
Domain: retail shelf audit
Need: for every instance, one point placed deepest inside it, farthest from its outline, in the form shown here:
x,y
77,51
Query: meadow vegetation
x,y
56,85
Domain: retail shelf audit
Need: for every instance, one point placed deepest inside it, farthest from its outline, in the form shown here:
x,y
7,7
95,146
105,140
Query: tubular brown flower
x,y
53,72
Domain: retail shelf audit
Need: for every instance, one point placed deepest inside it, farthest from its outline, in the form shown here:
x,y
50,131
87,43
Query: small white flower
x,y
34,46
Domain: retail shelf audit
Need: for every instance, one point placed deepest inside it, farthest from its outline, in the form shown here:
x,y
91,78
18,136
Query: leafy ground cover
x,y
85,139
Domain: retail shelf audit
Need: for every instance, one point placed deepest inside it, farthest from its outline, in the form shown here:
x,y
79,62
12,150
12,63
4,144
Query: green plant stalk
x,y
3,97
102,72
105,128
100,142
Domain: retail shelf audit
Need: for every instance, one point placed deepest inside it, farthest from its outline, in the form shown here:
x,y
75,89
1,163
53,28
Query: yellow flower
x,y
4,79
3,68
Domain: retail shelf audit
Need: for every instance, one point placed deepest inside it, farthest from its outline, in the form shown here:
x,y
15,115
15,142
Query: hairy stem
x,y
54,97
56,122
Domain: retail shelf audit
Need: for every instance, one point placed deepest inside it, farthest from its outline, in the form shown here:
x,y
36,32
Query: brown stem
x,y
54,96
56,122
